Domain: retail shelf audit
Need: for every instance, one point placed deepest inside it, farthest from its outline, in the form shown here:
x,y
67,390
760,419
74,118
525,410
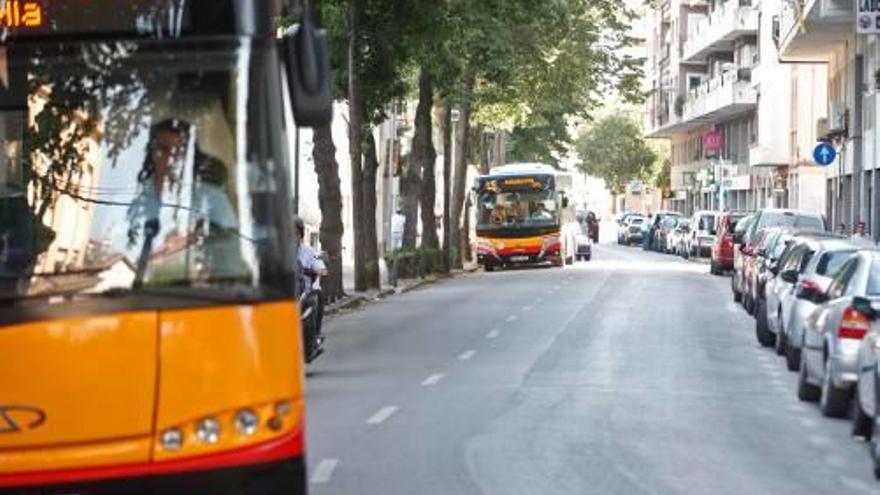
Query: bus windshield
x,y
512,209
134,165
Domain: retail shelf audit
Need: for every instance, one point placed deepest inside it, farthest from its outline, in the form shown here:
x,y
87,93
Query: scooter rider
x,y
311,269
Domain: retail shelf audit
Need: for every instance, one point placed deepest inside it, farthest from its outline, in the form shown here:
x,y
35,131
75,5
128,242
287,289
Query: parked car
x,y
622,226
740,241
774,242
832,335
722,247
703,230
867,390
676,241
634,231
770,217
663,224
819,259
774,309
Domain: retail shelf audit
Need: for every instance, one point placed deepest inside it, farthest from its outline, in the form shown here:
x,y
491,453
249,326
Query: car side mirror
x,y
737,237
790,276
863,305
304,49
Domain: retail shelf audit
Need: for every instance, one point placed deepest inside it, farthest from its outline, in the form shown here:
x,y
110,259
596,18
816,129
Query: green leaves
x,y
614,150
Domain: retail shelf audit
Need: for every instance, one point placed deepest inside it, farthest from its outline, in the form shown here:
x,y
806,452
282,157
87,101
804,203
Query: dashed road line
x,y
382,415
493,334
539,299
526,308
512,318
464,356
324,471
808,423
433,379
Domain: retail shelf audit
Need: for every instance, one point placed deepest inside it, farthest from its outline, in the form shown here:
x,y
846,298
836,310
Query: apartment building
x,y
720,94
824,33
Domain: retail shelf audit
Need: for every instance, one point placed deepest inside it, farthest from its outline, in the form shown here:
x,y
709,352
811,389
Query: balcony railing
x,y
718,31
721,97
810,30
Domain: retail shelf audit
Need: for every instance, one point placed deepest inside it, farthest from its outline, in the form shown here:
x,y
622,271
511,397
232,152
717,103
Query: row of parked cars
x,y
670,232
815,297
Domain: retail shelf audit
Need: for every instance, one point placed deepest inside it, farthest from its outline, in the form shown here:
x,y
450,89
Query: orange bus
x,y
149,334
523,215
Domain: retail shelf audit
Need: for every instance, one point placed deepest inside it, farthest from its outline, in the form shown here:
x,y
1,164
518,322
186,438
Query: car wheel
x,y
588,257
748,304
806,391
792,357
835,401
781,343
489,267
764,335
863,425
714,269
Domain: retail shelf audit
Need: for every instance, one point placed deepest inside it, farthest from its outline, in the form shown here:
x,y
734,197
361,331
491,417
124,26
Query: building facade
x,y
724,98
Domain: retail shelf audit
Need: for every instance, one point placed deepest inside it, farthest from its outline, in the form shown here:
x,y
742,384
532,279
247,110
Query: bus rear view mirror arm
x,y
304,48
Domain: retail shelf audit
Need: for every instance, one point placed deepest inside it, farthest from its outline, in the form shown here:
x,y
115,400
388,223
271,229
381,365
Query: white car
x,y
702,234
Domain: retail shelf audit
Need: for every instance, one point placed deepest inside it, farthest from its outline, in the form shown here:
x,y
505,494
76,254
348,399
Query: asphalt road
x,y
631,374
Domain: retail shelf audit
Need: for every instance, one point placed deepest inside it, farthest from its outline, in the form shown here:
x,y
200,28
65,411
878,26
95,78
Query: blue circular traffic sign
x,y
824,153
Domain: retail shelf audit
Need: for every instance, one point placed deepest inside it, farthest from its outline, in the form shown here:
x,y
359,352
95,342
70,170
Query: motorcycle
x,y
311,307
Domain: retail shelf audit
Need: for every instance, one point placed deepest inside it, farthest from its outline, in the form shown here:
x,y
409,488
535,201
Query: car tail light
x,y
809,285
853,325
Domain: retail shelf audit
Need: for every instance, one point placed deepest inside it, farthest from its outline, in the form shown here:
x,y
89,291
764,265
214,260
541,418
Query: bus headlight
x,y
172,439
246,422
208,430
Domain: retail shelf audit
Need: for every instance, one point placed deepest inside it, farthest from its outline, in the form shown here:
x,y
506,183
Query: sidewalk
x,y
357,299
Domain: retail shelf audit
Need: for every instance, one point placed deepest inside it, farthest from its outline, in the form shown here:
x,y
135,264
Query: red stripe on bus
x,y
288,446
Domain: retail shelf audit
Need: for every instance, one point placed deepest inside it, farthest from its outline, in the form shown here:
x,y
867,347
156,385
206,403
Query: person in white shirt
x,y
311,266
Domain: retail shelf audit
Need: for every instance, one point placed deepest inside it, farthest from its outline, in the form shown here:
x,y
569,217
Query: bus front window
x,y
138,167
518,209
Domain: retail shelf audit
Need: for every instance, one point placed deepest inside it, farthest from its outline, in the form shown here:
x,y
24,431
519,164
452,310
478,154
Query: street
x,y
633,373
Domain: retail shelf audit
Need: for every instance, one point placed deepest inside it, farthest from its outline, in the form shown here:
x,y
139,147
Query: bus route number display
x,y
21,14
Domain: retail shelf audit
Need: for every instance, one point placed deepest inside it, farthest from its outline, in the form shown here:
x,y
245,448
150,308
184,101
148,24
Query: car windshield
x,y
130,166
873,288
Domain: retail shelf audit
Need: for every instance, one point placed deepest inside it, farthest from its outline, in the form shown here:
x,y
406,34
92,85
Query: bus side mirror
x,y
304,48
565,201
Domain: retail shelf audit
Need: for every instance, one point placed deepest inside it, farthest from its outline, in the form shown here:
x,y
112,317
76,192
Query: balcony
x,y
720,98
809,30
717,32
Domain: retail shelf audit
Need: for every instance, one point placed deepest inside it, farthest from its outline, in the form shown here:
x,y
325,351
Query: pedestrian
x,y
861,231
841,228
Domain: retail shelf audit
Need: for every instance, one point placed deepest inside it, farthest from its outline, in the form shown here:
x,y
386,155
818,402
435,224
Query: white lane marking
x,y
778,383
512,318
493,334
835,460
807,422
732,307
324,471
526,308
433,379
819,440
556,287
539,300
464,356
381,415
856,484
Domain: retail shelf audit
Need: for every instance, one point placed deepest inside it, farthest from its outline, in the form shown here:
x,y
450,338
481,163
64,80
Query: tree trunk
x,y
330,201
410,189
370,240
447,178
355,141
425,156
460,173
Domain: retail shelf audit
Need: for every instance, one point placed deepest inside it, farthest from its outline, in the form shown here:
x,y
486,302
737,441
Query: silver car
x,y
866,392
800,300
832,334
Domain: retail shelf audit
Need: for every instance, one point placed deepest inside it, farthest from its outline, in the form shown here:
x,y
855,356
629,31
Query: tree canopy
x,y
614,150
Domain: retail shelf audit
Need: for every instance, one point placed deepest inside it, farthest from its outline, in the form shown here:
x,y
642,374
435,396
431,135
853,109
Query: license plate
x,y
519,258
